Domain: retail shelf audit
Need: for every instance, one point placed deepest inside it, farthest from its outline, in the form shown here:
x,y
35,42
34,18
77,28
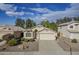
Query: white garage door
x,y
47,36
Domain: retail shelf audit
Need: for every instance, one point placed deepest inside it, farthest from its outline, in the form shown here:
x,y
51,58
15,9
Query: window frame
x,y
28,34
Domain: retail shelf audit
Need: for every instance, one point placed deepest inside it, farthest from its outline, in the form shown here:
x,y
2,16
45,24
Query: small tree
x,y
30,23
20,22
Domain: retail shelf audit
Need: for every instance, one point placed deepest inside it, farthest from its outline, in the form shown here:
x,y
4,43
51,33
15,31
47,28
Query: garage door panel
x,y
47,37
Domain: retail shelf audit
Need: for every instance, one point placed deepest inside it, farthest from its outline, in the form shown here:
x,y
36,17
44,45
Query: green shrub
x,y
74,41
35,30
12,42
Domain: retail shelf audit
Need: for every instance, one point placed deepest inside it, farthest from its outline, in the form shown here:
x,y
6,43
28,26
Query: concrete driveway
x,y
49,45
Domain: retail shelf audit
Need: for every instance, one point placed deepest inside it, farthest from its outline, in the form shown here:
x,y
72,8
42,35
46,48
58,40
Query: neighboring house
x,y
69,30
6,29
45,33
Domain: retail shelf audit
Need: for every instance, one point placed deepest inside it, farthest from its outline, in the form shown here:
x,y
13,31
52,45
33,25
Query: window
x,y
71,26
28,34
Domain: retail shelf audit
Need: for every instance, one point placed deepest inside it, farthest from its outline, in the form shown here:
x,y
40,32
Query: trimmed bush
x,y
8,37
35,30
12,42
74,41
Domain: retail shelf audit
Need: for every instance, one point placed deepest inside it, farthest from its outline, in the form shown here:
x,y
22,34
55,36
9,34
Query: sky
x,y
36,11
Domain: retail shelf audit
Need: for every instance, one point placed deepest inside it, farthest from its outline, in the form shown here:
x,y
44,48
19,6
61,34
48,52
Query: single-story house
x,y
42,32
9,29
69,30
45,33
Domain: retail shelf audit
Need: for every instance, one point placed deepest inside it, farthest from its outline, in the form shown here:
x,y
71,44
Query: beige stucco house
x,y
9,29
45,33
42,32
69,30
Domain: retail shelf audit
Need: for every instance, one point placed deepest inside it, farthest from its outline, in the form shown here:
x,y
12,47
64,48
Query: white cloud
x,y
12,13
41,10
7,7
11,10
29,13
53,15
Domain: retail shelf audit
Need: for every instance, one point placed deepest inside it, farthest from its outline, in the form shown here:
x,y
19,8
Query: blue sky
x,y
37,11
